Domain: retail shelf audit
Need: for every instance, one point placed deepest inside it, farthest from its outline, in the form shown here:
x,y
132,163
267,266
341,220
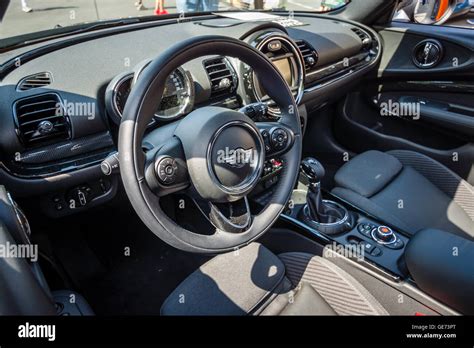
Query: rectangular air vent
x,y
41,119
221,76
364,37
35,81
310,56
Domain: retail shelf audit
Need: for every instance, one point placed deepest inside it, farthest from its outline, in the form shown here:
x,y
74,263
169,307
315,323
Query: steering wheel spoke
x,y
233,217
165,168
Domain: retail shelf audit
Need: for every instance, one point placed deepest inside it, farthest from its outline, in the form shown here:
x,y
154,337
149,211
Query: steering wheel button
x,y
169,170
166,170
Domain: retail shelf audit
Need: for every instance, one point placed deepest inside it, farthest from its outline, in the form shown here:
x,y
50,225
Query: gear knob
x,y
313,170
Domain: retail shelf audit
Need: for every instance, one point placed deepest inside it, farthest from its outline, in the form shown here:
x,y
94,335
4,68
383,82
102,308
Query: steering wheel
x,y
215,154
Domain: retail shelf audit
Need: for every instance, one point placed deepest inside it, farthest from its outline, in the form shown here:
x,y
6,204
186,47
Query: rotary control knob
x,y
166,170
384,235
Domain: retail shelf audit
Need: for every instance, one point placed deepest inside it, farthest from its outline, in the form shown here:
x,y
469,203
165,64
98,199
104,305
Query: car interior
x,y
288,163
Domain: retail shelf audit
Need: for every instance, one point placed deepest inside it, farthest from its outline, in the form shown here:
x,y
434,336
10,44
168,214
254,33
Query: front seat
x,y
254,281
408,190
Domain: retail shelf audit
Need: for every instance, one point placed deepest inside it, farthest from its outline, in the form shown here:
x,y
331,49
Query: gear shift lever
x,y
313,170
319,210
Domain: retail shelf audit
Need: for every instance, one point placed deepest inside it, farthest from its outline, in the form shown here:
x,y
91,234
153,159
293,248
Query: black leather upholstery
x,y
442,265
402,196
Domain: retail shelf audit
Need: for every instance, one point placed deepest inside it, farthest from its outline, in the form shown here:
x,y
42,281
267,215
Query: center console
x,y
431,265
341,226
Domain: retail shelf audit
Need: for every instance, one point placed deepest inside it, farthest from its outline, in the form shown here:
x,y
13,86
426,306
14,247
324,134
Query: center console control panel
x,y
382,246
382,235
379,245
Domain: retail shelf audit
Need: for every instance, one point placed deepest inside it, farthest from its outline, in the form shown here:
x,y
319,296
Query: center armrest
x,y
442,265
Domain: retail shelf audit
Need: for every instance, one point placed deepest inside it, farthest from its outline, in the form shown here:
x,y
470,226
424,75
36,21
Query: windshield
x,y
20,17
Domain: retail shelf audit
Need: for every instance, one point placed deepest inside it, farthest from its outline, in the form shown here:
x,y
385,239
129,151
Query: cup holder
x,y
343,224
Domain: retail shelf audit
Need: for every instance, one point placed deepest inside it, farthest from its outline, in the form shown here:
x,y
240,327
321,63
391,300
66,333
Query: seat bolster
x,y
234,283
307,301
441,176
368,173
344,294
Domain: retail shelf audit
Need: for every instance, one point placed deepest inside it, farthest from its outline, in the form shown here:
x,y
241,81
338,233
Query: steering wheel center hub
x,y
234,156
224,153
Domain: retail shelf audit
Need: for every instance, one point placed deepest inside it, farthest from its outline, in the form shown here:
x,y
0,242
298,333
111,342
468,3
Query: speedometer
x,y
177,99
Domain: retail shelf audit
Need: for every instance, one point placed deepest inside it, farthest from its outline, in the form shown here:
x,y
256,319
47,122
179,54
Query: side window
x,y
458,13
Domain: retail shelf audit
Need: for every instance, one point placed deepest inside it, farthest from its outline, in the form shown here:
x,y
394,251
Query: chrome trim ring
x,y
297,60
378,240
119,83
340,222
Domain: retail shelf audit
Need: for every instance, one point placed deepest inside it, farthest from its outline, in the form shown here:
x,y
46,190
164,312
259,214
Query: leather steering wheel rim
x,y
139,111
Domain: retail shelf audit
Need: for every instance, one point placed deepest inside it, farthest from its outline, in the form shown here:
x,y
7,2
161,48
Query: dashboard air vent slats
x,y
364,37
35,81
310,56
221,76
41,119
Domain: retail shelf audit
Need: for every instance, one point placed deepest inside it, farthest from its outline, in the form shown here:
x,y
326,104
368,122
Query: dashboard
x,y
88,79
232,83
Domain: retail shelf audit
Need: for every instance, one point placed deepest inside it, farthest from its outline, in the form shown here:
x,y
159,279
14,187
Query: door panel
x,y
429,110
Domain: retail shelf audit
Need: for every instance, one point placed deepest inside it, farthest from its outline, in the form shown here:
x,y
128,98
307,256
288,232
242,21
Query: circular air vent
x,y
427,54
